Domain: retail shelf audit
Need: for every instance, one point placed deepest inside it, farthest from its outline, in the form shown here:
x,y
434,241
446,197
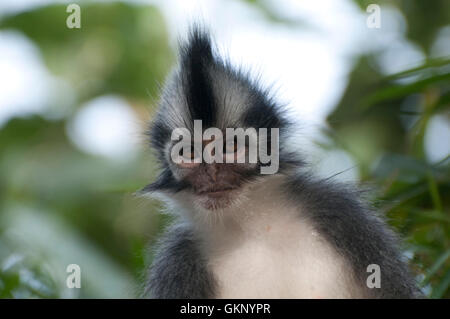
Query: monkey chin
x,y
217,200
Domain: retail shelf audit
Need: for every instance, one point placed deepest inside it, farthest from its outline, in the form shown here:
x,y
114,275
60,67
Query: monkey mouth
x,y
215,198
217,192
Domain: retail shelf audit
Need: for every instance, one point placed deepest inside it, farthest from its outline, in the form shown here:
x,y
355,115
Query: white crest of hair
x,y
231,96
173,102
259,248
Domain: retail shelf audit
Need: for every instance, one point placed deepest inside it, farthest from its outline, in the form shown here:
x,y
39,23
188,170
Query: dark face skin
x,y
215,185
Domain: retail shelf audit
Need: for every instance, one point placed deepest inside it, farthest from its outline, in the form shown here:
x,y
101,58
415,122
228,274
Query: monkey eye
x,y
185,156
235,152
188,153
232,147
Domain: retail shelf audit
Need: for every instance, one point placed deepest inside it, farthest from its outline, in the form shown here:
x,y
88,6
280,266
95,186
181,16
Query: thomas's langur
x,y
261,228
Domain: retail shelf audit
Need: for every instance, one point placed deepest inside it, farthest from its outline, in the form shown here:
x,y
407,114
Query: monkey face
x,y
214,184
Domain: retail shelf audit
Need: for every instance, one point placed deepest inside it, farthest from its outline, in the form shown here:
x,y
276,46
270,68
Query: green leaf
x,y
397,91
436,266
442,287
432,63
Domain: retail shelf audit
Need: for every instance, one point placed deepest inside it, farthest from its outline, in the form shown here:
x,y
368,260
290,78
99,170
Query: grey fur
x,y
339,214
179,270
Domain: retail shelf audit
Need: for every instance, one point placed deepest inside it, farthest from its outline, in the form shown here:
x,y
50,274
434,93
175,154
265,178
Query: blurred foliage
x,y
59,205
424,18
120,49
384,131
382,121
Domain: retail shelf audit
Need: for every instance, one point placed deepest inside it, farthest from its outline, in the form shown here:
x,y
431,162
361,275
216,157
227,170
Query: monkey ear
x,y
165,182
160,184
147,189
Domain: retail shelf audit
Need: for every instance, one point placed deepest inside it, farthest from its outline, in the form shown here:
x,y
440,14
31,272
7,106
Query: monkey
x,y
239,232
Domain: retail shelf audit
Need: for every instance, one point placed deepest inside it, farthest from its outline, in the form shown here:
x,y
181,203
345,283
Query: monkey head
x,y
210,110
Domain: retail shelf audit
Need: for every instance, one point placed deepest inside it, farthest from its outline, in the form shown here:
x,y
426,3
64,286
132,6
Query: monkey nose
x,y
212,171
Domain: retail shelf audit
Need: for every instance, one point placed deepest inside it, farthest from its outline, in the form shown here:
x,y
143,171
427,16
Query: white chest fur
x,y
274,253
284,260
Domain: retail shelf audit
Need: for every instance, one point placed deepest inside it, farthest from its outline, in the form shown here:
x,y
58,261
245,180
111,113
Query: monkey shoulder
x,y
179,268
344,217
